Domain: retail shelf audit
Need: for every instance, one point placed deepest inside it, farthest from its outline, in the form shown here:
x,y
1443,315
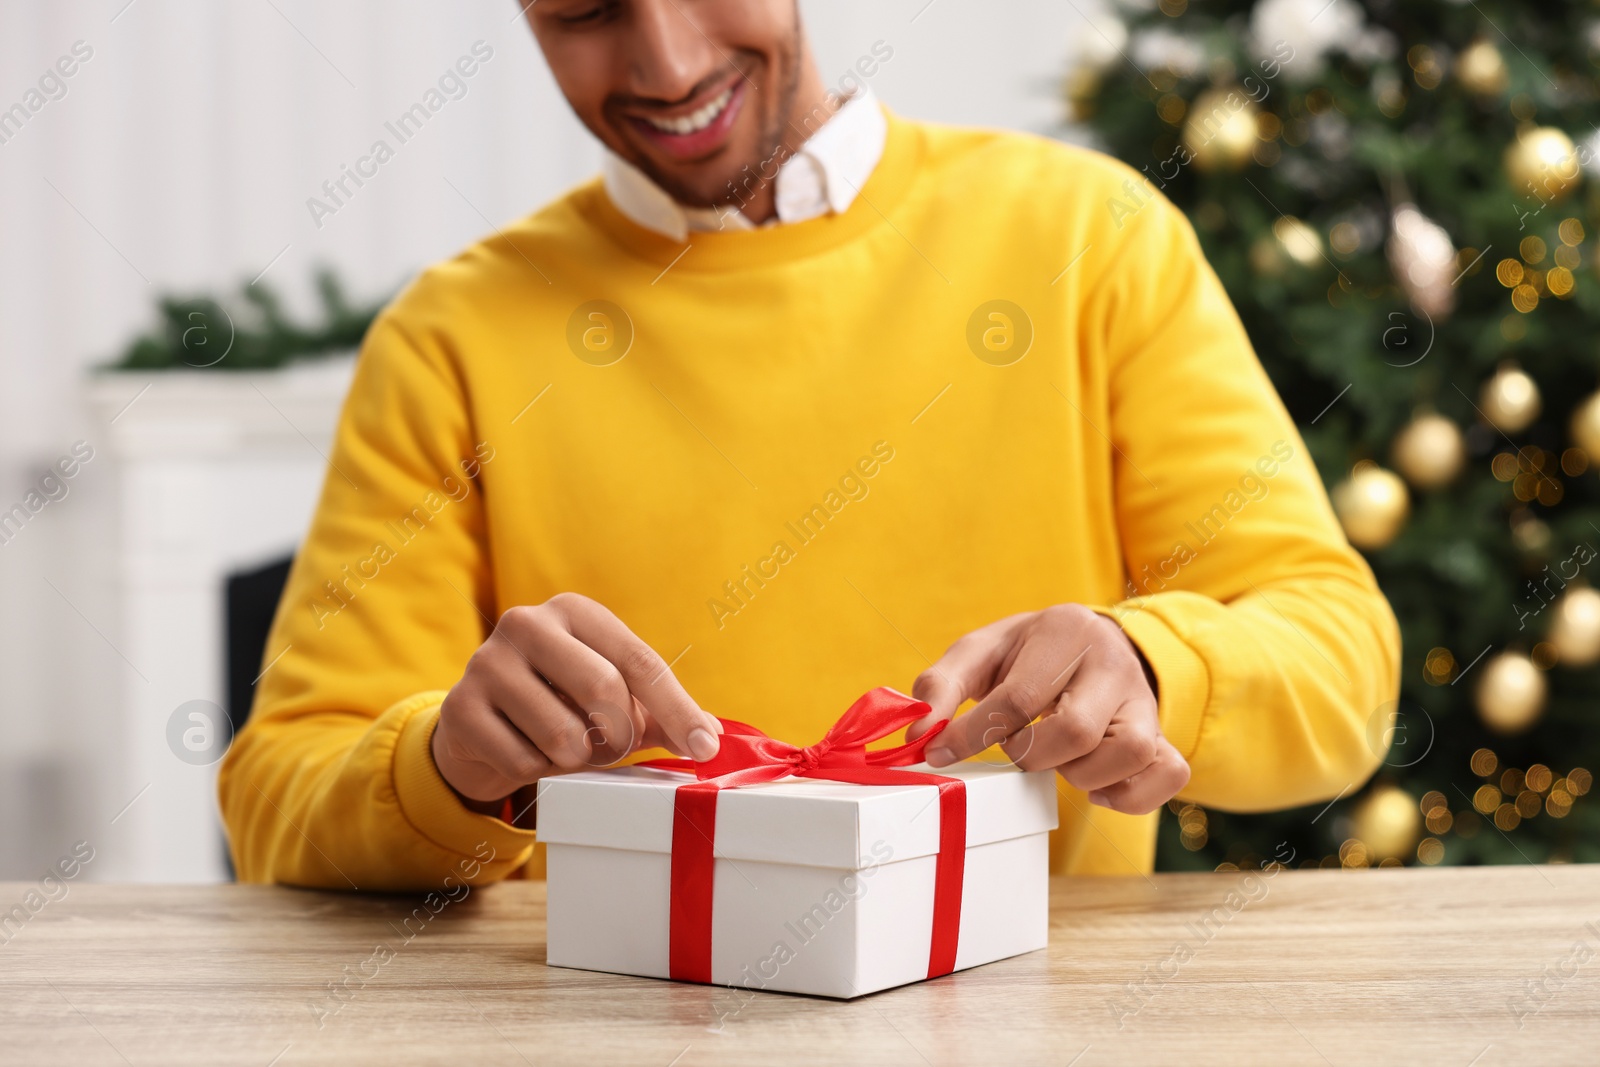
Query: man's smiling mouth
x,y
691,135
696,120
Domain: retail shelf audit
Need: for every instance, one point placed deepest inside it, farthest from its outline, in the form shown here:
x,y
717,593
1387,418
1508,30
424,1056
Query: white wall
x,y
181,158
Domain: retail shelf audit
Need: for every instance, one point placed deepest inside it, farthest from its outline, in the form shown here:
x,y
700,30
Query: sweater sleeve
x,y
1273,649
332,782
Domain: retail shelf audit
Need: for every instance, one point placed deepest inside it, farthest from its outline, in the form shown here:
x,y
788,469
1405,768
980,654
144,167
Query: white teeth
x,y
695,120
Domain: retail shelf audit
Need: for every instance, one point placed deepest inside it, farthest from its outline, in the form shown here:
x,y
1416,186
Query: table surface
x,y
1422,966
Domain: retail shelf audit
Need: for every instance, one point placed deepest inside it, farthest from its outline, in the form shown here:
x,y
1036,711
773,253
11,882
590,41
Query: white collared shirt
x,y
823,176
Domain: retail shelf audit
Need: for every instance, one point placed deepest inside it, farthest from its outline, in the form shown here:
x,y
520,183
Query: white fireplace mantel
x,y
215,471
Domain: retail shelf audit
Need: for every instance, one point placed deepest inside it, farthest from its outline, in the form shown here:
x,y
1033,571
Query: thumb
x,y
963,673
940,692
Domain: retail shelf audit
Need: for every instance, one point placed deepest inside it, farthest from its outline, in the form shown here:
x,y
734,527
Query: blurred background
x,y
1398,196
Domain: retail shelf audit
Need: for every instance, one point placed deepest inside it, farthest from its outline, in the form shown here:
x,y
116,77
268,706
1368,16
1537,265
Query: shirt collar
x,y
823,177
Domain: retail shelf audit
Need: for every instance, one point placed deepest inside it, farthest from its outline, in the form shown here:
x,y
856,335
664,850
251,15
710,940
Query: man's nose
x,y
670,54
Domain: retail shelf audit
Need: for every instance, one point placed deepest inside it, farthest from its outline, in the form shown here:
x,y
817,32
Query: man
x,y
795,396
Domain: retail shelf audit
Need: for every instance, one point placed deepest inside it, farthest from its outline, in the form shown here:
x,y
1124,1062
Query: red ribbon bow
x,y
749,757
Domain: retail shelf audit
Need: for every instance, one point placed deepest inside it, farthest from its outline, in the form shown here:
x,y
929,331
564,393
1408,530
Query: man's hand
x,y
561,687
1061,688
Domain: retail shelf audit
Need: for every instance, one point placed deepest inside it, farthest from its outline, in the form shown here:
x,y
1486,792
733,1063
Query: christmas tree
x,y
1400,198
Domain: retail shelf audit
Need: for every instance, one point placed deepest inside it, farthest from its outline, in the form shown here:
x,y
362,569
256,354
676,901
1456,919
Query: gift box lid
x,y
803,821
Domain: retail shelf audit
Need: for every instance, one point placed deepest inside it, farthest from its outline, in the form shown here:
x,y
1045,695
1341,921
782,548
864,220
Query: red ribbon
x,y
750,757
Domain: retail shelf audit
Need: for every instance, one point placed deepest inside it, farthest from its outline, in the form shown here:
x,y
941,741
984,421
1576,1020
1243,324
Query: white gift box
x,y
820,887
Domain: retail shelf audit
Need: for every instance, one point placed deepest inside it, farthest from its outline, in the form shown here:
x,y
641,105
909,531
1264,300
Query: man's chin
x,y
707,183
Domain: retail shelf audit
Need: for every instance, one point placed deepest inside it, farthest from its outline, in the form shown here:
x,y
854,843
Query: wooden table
x,y
1458,967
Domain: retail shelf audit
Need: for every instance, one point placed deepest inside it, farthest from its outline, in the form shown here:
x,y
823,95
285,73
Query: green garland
x,y
251,332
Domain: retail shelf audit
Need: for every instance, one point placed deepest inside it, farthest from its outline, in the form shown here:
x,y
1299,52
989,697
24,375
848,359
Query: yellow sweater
x,y
823,455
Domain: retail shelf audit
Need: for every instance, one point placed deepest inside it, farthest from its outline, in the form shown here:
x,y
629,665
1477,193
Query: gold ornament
x,y
1531,535
1585,427
1388,822
1542,164
1080,89
1510,693
1575,632
1481,69
1299,240
1510,400
1423,261
1430,451
1372,505
1266,256
1220,132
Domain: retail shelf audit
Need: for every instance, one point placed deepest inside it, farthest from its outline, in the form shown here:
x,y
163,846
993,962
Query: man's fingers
x,y
1152,787
1077,725
559,729
1129,745
1051,652
648,677
612,735
484,753
560,686
593,684
580,673
1008,708
965,672
942,690
653,736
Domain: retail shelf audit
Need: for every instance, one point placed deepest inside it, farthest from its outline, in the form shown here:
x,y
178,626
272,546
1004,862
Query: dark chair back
x,y
252,600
